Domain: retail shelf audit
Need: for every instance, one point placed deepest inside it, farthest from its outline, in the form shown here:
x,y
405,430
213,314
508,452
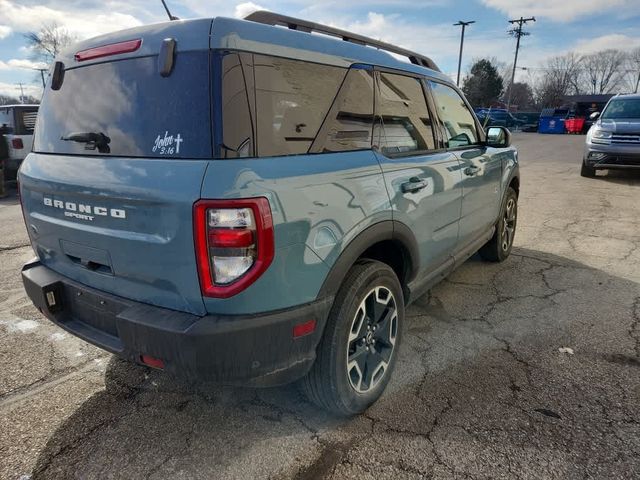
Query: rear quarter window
x,y
292,100
135,111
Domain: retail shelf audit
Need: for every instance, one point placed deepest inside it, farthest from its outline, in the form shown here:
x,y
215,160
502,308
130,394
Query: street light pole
x,y
517,32
463,25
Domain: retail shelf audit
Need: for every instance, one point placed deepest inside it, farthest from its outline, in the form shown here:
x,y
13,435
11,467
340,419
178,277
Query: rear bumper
x,y
256,350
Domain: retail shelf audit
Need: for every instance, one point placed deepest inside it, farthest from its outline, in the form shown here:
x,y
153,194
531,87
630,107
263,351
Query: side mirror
x,y
594,115
499,137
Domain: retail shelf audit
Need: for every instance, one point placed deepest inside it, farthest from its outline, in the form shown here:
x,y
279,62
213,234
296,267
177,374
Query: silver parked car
x,y
614,140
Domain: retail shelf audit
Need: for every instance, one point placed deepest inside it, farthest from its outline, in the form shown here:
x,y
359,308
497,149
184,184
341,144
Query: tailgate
x,y
121,144
123,226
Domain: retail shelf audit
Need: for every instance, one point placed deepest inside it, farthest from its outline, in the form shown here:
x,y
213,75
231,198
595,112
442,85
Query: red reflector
x,y
227,238
152,361
303,329
17,143
106,50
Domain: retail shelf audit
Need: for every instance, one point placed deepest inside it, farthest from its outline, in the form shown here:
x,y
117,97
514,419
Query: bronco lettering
x,y
71,207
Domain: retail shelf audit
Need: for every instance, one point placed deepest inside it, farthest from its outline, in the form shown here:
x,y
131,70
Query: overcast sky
x,y
421,25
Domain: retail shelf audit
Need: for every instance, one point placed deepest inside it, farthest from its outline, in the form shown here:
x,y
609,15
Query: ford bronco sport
x,y
237,201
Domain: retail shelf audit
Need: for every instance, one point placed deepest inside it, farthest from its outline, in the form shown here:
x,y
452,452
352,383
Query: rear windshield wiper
x,y
92,140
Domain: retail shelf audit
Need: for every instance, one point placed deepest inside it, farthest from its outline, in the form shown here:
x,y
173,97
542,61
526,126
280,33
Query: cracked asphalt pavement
x,y
526,369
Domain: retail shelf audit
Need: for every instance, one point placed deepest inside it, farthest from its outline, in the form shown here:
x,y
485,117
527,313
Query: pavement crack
x,y
634,329
14,247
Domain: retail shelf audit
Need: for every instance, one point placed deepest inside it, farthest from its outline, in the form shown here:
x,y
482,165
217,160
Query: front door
x,y
481,168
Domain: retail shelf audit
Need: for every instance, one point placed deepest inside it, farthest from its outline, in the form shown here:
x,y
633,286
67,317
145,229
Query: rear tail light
x,y
110,49
234,244
17,143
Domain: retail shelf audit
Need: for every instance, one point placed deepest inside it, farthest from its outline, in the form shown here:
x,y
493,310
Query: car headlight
x,y
597,133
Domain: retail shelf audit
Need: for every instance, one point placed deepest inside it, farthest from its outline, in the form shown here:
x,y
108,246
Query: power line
x,y
463,25
518,33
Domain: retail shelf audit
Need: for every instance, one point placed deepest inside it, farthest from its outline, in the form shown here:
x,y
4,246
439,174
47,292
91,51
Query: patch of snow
x,y
21,326
56,337
566,350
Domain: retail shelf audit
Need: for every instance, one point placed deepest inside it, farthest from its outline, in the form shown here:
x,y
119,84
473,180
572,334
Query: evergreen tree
x,y
483,86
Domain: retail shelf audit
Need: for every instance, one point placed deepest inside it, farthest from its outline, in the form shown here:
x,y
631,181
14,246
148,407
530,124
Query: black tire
x,y
586,171
331,384
499,247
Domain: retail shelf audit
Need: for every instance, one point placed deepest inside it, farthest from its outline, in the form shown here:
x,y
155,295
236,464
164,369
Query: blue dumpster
x,y
552,120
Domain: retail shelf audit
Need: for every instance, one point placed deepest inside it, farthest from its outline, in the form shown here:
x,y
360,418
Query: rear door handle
x,y
470,171
414,184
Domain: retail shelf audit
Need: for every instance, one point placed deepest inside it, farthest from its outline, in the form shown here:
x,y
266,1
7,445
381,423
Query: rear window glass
x,y
404,121
125,108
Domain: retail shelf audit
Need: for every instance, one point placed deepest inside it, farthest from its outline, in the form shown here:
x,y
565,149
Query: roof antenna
x,y
171,17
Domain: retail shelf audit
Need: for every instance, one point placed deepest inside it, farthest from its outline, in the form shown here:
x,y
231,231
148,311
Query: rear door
x,y
120,152
480,166
423,181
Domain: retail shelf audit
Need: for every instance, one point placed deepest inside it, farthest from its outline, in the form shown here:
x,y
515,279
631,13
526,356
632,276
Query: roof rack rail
x,y
271,18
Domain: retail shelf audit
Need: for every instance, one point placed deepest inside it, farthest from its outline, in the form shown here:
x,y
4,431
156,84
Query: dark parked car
x,y
499,117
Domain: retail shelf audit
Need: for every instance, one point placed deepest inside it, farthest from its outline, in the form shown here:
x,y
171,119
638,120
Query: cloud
x,y
604,42
80,21
21,63
244,9
5,31
559,10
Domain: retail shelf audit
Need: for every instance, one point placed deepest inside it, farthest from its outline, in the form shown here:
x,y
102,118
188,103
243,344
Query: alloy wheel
x,y
372,339
509,224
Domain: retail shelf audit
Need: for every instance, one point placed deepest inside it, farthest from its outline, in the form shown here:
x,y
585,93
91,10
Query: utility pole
x,y
42,70
517,32
463,25
21,93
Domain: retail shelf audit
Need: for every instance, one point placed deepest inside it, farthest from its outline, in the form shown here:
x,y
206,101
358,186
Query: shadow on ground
x,y
481,390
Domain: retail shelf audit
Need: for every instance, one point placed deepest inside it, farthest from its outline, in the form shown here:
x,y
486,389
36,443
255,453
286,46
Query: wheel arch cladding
x,y
515,184
392,243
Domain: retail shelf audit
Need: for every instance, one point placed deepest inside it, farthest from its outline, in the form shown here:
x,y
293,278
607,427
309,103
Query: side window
x,y
403,123
349,124
459,126
237,125
292,100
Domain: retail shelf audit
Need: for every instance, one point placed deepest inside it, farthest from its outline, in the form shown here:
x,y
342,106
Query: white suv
x,y
18,122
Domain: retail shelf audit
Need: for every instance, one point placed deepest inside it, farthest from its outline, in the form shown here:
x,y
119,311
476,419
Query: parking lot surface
x,y
526,369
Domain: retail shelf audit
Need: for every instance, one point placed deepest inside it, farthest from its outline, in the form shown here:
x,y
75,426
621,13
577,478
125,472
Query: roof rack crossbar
x,y
271,18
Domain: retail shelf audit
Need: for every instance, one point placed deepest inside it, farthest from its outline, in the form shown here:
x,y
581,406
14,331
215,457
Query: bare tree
x,y
47,43
560,76
632,76
603,70
8,100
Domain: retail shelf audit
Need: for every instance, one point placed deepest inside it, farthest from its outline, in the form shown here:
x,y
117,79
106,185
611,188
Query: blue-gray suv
x,y
250,202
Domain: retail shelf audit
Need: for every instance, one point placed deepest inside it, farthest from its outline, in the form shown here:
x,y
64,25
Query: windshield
x,y
25,120
622,108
